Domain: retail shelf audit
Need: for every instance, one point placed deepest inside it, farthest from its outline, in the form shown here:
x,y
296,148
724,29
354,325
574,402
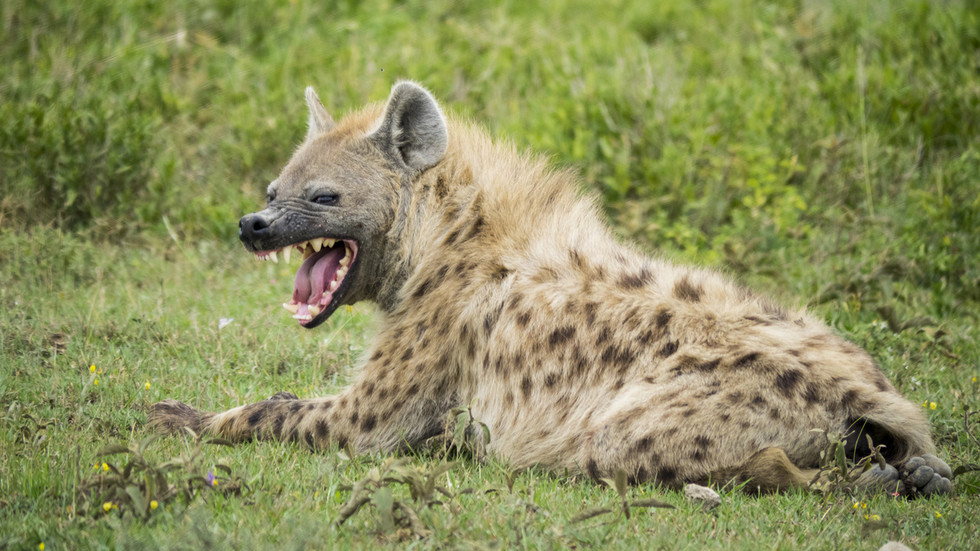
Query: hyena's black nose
x,y
252,227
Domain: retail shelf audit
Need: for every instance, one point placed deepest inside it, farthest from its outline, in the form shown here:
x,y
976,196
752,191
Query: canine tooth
x,y
293,308
273,256
285,254
328,243
314,310
317,244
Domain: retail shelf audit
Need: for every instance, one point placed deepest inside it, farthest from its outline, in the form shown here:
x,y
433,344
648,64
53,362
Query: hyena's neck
x,y
489,207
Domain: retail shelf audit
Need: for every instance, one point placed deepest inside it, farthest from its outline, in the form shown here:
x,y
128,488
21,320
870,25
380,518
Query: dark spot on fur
x,y
734,398
603,336
724,417
441,188
309,440
342,442
643,444
758,320
277,425
368,423
635,281
663,318
758,402
256,416
322,430
475,229
685,290
295,407
666,474
560,336
550,380
746,359
668,349
422,289
526,386
407,355
377,355
592,469
523,318
786,381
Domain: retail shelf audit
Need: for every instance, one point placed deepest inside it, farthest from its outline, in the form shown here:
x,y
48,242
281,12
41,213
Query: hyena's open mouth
x,y
320,278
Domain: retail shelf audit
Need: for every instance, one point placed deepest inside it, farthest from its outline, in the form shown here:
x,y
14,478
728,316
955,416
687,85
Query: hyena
x,y
500,288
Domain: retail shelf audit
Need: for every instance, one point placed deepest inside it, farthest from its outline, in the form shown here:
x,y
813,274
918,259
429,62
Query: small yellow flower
x,y
91,368
95,382
875,517
146,385
105,467
40,546
939,515
350,308
932,405
153,504
107,506
974,379
856,505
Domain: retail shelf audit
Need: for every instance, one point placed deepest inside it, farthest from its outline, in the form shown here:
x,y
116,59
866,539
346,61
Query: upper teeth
x,y
308,248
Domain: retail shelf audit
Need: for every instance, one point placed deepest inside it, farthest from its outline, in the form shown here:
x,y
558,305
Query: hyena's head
x,y
337,199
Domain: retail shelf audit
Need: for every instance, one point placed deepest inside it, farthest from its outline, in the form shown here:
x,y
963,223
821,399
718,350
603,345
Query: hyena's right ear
x,y
320,121
412,130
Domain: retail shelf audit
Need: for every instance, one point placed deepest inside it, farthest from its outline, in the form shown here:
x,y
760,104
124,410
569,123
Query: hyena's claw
x,y
925,476
284,396
171,416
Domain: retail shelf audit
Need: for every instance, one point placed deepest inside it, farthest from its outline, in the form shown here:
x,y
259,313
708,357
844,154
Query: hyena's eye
x,y
326,199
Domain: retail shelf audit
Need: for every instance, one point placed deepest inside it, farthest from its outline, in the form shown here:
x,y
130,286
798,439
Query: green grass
x,y
824,152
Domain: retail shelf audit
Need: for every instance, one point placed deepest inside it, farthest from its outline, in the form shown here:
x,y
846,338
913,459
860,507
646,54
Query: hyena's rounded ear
x,y
320,121
412,130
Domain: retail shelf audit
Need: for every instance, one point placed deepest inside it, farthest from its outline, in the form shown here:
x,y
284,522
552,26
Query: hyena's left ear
x,y
412,129
320,121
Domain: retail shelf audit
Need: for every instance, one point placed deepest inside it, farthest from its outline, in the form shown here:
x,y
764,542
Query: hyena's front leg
x,y
372,414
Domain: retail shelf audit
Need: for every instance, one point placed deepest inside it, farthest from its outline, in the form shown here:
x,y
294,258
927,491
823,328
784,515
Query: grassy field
x,y
826,152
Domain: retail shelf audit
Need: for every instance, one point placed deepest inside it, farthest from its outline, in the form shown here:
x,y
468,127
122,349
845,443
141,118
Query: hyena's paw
x,y
919,476
284,396
171,416
925,476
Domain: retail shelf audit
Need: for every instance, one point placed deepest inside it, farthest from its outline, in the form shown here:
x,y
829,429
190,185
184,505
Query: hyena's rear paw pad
x,y
171,416
926,475
284,396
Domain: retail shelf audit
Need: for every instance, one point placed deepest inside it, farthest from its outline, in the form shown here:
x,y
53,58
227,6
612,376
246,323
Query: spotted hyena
x,y
501,288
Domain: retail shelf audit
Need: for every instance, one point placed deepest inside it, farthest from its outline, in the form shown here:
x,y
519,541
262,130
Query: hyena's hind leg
x,y
771,470
767,470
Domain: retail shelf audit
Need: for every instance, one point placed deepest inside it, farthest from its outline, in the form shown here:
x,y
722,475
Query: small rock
x,y
894,546
708,498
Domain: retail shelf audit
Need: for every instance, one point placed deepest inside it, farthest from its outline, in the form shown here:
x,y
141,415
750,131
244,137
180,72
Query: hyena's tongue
x,y
314,278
